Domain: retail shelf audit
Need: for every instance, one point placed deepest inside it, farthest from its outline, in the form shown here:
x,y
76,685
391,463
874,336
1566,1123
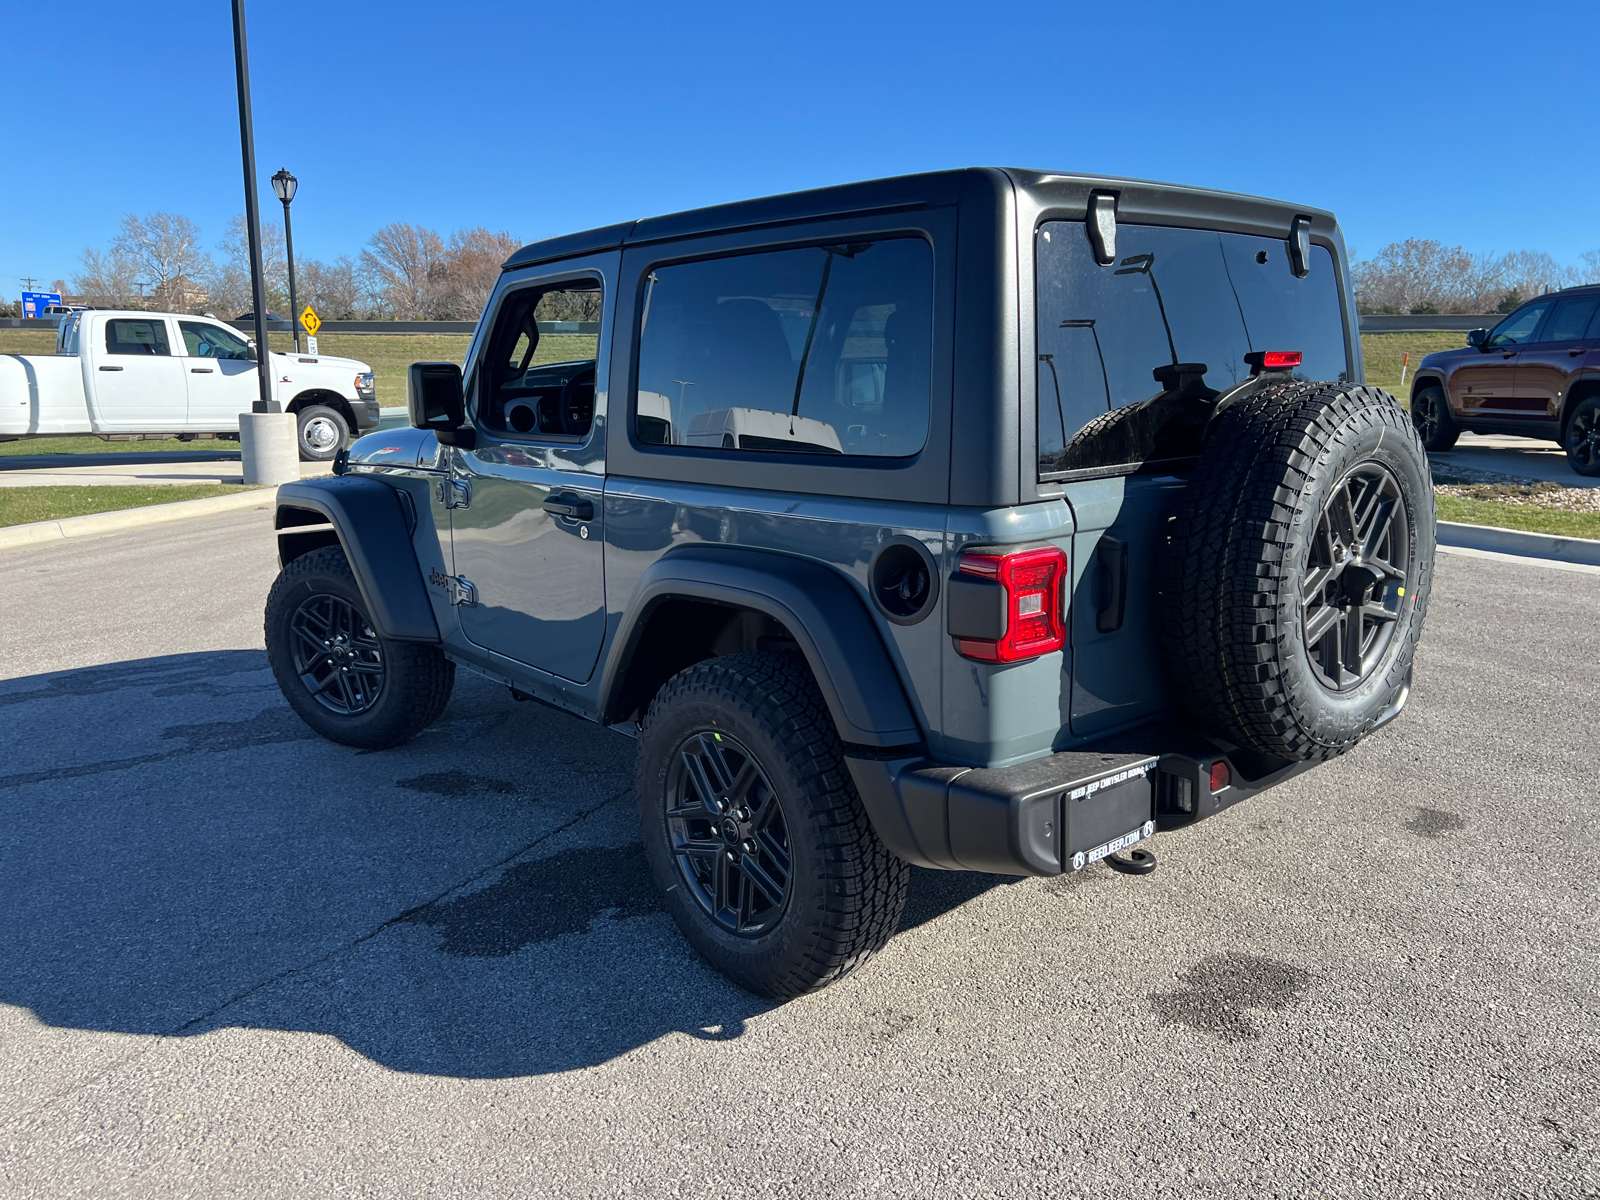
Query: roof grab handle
x,y
1102,225
1300,247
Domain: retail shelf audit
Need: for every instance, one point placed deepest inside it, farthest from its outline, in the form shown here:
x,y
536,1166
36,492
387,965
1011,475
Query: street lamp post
x,y
283,186
252,216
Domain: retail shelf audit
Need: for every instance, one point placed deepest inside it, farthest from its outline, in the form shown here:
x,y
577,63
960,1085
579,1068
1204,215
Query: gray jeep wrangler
x,y
988,520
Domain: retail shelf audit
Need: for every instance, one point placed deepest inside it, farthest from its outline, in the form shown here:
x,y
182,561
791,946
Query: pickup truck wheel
x,y
344,680
1430,413
754,831
323,433
1300,567
1582,442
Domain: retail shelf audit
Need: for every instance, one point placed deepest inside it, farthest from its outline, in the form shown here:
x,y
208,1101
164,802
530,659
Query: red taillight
x,y
1034,582
1280,360
1220,776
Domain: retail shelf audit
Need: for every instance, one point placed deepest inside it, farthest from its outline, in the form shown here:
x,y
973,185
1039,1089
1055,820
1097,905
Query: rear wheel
x,y
344,680
754,831
1582,441
322,432
1430,413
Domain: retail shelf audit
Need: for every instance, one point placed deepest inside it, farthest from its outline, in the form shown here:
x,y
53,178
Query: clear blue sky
x,y
1472,123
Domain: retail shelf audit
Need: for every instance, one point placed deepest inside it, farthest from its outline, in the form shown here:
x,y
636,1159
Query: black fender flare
x,y
1584,379
374,525
826,617
1428,378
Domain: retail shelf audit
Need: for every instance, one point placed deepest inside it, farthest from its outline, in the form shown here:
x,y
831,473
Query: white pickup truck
x,y
129,375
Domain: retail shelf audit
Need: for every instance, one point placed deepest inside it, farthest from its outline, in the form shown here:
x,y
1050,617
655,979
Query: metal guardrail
x,y
1420,323
581,328
1427,323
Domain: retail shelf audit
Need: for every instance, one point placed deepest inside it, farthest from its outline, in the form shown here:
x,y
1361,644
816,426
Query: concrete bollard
x,y
269,447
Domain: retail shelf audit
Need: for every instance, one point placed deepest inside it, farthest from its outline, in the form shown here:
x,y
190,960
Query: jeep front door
x,y
1485,387
526,521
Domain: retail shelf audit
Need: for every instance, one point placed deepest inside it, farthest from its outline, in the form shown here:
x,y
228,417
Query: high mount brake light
x,y
1273,360
1034,582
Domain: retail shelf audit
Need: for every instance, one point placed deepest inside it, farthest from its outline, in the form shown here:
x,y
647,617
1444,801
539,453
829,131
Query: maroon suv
x,y
1536,374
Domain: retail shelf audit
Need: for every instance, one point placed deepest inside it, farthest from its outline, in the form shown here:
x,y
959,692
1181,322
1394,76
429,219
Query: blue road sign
x,y
33,303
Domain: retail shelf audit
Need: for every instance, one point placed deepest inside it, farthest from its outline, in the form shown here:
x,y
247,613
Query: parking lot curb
x,y
1520,544
93,524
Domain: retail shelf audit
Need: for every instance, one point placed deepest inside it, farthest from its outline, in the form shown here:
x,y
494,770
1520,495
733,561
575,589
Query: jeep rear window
x,y
1199,300
817,350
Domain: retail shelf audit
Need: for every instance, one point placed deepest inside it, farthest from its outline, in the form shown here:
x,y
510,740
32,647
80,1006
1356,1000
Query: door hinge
x,y
454,493
460,590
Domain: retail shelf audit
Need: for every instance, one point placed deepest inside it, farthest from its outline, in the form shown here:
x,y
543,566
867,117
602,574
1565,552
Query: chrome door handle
x,y
111,368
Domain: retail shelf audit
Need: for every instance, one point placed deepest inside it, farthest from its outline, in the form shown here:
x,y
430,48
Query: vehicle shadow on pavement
x,y
474,904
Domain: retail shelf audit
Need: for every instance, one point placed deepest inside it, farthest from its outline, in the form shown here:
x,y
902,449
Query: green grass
x,y
1525,517
93,445
1382,354
20,505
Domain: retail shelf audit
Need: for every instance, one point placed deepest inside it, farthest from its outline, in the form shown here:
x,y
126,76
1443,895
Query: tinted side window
x,y
125,336
1570,318
211,341
538,373
820,350
1520,325
1131,354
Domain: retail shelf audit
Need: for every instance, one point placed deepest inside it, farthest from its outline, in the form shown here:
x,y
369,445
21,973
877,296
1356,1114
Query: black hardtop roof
x,y
1138,199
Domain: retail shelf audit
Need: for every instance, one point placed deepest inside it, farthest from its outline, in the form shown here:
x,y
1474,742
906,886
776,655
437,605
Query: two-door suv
x,y
986,520
1535,374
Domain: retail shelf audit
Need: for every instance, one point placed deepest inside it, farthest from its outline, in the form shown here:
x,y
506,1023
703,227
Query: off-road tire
x,y
417,678
847,892
1436,427
1240,542
316,417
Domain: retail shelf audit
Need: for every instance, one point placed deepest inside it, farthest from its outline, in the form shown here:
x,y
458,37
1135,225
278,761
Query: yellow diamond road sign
x,y
309,321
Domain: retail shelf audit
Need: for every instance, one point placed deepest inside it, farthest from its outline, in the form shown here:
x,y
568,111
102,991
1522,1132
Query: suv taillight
x,y
1034,586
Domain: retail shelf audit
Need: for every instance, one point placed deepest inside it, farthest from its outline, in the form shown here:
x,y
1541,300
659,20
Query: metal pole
x,y
294,307
252,214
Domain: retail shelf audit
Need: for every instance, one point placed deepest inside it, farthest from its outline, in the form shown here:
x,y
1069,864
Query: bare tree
x,y
1590,271
333,289
472,265
409,274
1424,275
229,280
1529,273
107,280
166,249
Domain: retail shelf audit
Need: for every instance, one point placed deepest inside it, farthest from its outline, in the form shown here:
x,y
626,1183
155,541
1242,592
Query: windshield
x,y
1161,331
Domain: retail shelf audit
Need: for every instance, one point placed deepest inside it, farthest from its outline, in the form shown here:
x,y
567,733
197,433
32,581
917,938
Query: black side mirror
x,y
434,397
1478,338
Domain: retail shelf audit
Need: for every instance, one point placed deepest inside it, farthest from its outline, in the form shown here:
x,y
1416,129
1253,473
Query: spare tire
x,y
1299,569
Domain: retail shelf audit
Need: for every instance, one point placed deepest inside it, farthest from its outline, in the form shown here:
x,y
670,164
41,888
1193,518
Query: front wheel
x,y
1582,440
753,829
344,680
322,432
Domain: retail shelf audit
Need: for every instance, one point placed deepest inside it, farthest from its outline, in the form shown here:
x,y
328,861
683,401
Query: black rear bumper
x,y
1059,812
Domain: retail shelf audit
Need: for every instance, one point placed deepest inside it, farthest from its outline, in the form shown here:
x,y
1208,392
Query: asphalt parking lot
x,y
236,960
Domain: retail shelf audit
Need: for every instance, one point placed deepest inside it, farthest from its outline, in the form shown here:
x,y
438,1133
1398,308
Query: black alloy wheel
x,y
1425,415
336,655
1583,438
1355,576
728,835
